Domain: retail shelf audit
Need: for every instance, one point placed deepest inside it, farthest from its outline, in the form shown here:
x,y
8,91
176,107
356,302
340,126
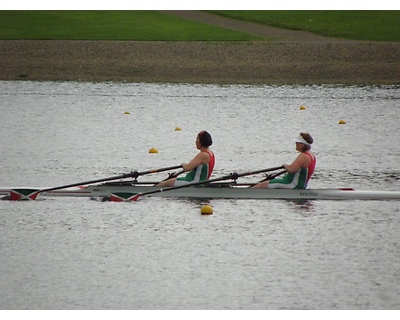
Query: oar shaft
x,y
182,186
173,175
192,184
134,174
259,171
271,176
127,175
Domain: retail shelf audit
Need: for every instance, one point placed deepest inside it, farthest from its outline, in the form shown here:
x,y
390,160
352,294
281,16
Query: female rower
x,y
200,167
300,171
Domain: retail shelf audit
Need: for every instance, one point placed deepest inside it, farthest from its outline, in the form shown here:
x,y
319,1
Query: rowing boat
x,y
123,191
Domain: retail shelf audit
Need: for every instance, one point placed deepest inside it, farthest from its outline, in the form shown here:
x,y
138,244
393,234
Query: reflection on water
x,y
155,253
305,207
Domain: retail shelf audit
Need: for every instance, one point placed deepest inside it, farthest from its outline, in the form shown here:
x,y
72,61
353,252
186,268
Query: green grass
x,y
357,25
154,25
109,25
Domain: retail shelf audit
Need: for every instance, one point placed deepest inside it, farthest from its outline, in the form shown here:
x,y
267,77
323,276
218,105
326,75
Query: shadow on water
x,y
302,206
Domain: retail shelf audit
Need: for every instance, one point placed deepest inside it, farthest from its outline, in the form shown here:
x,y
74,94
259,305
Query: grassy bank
x,y
109,25
222,56
356,25
155,25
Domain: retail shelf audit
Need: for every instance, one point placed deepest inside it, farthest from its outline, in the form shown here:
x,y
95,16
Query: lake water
x,y
69,253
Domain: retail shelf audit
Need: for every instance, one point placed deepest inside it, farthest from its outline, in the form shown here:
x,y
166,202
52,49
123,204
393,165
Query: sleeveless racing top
x,y
296,180
202,172
311,167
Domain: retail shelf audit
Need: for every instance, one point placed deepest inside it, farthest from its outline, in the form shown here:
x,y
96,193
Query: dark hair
x,y
205,139
306,136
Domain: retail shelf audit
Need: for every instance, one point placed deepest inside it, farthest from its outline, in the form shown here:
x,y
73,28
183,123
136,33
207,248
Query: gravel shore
x,y
286,58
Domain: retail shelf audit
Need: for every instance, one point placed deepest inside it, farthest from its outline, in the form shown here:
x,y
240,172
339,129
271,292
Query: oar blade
x,y
136,197
123,196
23,194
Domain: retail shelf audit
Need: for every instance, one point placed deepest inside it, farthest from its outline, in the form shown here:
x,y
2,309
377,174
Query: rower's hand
x,y
172,175
234,176
134,174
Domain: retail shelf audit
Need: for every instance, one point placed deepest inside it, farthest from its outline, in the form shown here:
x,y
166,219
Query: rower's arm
x,y
200,158
298,163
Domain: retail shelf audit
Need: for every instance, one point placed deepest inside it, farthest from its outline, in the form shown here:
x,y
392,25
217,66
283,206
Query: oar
x,y
136,174
26,194
173,175
232,176
273,176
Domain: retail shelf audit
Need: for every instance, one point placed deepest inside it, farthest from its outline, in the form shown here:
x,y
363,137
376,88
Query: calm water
x,y
162,253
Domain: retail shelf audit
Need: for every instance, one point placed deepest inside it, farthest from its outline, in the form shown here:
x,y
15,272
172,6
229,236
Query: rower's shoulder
x,y
308,157
312,154
207,151
207,154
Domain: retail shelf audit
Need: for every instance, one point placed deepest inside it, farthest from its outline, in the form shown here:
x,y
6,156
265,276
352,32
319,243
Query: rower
x,y
299,171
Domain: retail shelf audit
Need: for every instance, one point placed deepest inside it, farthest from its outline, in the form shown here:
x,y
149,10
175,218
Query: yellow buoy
x,y
127,112
302,108
342,122
153,150
178,129
207,209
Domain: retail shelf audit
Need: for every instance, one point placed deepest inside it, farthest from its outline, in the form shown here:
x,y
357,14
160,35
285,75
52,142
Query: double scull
x,y
125,191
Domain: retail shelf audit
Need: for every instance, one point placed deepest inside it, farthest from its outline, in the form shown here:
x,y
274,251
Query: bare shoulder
x,y
206,155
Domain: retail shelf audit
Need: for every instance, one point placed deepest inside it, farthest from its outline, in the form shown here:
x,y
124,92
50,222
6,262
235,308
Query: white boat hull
x,y
225,192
